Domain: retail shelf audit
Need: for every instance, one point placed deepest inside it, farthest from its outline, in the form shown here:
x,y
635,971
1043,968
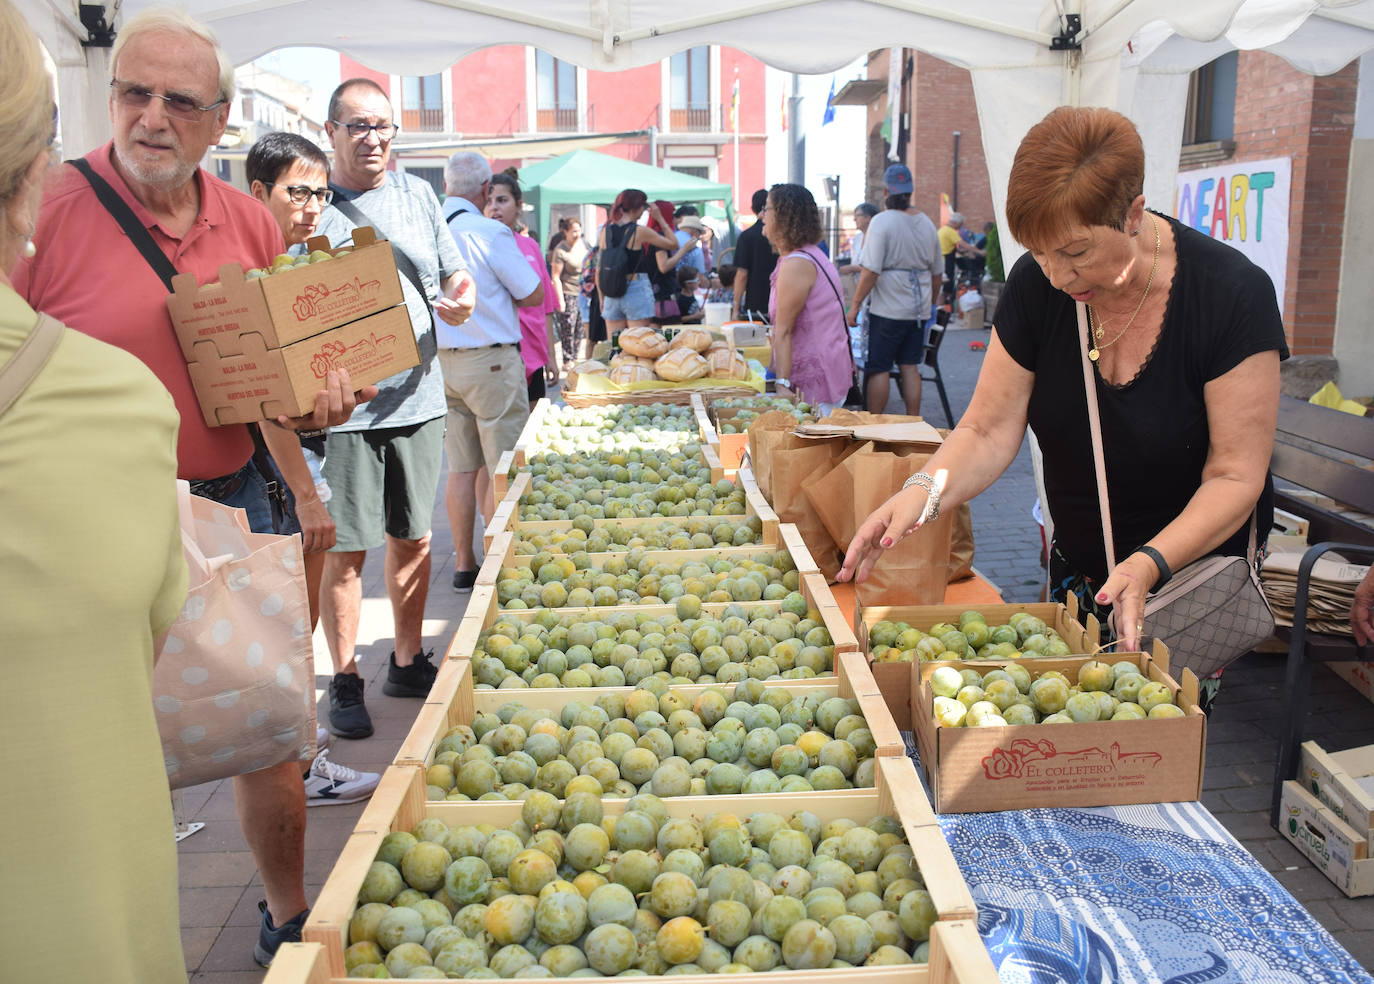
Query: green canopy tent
x,y
585,177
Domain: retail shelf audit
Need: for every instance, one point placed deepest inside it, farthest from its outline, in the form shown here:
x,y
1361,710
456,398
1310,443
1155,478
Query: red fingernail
x,y
1102,596
887,541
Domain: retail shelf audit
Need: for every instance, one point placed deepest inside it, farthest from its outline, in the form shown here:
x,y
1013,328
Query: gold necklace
x,y
1099,329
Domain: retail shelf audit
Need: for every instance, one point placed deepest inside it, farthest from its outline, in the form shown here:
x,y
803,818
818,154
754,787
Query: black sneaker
x,y
410,681
348,717
463,581
271,937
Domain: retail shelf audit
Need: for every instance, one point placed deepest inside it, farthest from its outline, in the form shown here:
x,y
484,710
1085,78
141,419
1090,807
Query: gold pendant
x,y
1094,354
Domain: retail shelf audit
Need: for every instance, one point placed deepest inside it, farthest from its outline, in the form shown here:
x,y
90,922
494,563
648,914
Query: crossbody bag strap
x,y
28,360
820,269
403,262
1095,428
121,212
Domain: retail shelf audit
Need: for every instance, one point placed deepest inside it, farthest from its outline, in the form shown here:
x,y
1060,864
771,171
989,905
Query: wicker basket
x,y
670,393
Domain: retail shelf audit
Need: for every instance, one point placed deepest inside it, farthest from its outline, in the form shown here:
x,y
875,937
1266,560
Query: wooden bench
x,y
1311,448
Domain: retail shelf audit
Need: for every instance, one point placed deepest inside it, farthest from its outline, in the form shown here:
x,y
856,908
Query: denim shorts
x,y
636,305
894,340
246,489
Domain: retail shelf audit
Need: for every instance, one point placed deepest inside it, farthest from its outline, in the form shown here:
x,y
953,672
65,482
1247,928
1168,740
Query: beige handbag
x,y
1210,612
234,681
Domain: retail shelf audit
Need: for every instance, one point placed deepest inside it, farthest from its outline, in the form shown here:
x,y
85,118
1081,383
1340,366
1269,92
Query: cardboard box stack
x,y
1328,814
261,347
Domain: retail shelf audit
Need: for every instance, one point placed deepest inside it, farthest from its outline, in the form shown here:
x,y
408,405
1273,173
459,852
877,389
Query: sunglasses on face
x,y
358,131
177,104
300,194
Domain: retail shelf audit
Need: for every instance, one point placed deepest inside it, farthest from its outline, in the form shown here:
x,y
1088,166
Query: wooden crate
x,y
501,553
957,956
483,613
516,460
307,963
454,700
506,516
399,804
894,679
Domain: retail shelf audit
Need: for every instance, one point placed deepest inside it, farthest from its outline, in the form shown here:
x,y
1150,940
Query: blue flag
x,y
829,104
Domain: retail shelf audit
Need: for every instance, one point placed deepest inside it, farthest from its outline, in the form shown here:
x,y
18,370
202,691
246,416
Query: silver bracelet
x,y
926,482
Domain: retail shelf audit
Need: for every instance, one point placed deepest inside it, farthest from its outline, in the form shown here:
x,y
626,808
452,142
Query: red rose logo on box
x,y
319,300
1039,760
336,355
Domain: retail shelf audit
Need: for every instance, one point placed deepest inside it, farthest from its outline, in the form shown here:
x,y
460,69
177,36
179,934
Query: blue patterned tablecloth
x,y
1134,894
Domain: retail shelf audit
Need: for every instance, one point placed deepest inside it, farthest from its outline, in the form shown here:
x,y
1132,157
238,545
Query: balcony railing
x,y
692,118
422,120
556,120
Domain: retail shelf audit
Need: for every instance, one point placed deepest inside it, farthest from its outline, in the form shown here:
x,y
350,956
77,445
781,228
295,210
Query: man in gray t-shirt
x,y
900,277
383,465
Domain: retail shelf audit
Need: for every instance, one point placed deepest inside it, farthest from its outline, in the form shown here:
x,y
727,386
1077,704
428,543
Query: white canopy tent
x,y
1025,56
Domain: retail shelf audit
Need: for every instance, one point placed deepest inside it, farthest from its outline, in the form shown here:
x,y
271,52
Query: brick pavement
x,y
220,888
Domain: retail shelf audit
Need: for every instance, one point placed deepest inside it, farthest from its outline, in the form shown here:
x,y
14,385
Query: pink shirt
x,y
822,364
88,275
534,335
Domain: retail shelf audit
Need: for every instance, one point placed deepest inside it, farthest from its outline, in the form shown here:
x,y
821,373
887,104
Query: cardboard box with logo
x,y
1337,849
895,677
1103,763
261,383
258,347
1344,782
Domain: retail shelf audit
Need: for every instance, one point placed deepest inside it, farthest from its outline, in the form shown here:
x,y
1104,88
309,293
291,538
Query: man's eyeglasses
x,y
359,131
300,194
177,104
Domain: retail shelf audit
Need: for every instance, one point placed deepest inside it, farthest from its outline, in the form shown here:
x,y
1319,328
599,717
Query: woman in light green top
x,y
91,571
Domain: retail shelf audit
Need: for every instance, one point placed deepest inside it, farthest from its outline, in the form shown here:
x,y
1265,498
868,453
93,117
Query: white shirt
x,y
502,274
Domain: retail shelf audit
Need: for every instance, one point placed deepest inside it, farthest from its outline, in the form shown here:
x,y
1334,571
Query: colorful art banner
x,y
1245,205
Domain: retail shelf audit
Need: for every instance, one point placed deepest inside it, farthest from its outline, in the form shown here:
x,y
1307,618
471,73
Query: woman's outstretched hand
x,y
882,530
1125,590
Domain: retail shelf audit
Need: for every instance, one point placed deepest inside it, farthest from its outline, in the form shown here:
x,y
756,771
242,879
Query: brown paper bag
x,y
961,544
916,570
767,430
794,462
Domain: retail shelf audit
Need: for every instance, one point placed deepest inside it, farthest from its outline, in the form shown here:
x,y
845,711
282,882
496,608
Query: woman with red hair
x,y
1183,343
636,305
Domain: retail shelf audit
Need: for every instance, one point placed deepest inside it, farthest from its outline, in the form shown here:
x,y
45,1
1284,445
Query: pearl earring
x,y
29,250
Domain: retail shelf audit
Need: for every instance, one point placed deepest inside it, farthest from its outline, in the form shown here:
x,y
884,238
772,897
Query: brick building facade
x,y
515,91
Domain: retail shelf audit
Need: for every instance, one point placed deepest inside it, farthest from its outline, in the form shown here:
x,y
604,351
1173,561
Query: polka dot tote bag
x,y
233,685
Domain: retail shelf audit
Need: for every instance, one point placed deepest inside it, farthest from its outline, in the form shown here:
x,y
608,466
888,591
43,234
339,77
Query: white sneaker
x,y
329,782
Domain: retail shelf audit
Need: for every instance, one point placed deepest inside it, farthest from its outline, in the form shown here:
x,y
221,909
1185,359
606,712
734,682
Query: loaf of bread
x,y
590,367
626,359
722,366
625,374
643,341
681,364
696,339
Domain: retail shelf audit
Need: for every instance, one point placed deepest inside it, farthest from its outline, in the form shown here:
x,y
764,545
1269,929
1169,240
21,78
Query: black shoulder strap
x,y
138,233
403,262
461,211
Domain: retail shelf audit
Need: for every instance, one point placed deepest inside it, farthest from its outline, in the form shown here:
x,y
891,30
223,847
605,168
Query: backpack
x,y
613,267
